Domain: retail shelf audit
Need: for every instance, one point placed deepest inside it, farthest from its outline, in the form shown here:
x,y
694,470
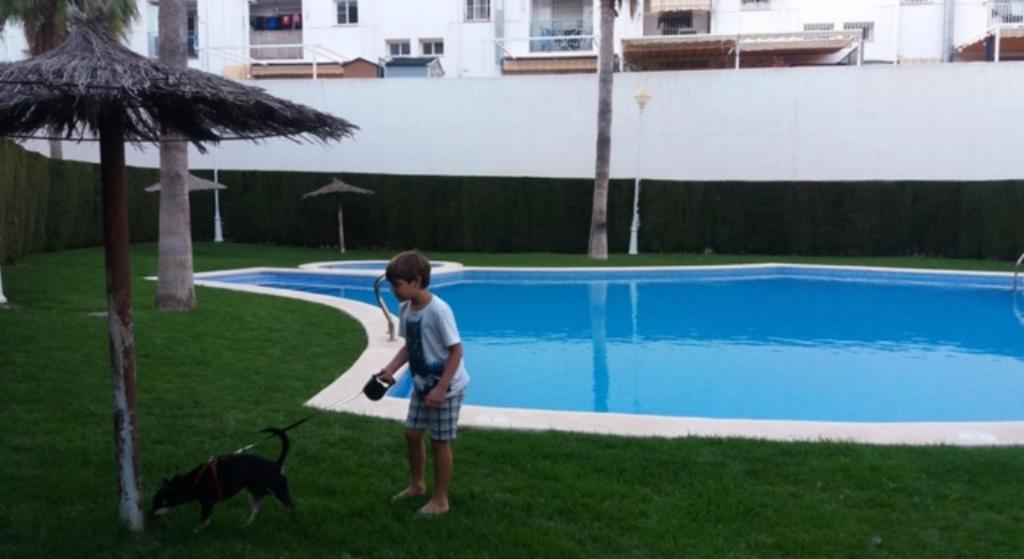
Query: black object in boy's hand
x,y
376,387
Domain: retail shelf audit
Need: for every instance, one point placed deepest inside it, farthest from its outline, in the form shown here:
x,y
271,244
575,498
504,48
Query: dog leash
x,y
331,407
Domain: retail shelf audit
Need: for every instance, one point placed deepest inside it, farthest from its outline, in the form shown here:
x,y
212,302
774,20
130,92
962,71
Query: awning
x,y
1011,40
813,42
680,5
550,65
677,46
707,46
299,70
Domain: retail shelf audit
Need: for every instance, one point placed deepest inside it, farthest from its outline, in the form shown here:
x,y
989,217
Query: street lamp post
x,y
218,233
642,96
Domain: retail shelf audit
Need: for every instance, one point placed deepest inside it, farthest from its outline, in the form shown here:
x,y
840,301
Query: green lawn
x,y
209,379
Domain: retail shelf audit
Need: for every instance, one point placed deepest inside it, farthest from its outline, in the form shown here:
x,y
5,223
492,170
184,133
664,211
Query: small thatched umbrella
x,y
92,86
195,184
337,188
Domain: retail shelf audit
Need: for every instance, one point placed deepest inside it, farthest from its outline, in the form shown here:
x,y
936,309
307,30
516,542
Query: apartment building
x,y
253,39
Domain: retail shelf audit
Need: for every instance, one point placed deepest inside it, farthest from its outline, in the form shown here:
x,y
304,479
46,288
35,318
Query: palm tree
x,y
174,289
605,68
45,23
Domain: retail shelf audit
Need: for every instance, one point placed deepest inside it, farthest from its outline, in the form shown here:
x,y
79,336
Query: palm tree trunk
x,y
43,35
174,290
56,150
599,214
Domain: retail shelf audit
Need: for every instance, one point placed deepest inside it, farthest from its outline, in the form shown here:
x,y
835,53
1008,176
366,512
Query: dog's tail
x,y
280,433
285,445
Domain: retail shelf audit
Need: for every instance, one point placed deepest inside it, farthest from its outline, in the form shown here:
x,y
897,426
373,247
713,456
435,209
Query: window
x,y
192,41
867,27
478,10
348,12
399,48
819,26
676,23
755,4
432,47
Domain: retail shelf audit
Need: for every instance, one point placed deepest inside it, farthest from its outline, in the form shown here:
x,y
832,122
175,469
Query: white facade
x,y
874,122
916,122
475,35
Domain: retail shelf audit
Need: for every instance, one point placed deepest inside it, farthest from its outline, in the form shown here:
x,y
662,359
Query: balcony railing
x,y
239,60
566,35
1006,11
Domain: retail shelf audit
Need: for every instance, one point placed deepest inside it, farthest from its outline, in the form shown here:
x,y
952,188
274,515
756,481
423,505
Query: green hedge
x,y
52,205
47,205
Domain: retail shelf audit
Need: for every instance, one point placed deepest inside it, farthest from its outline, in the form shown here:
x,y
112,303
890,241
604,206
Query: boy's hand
x,y
386,375
435,398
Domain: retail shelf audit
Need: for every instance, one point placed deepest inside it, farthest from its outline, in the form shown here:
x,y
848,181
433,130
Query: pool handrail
x,y
1016,270
383,307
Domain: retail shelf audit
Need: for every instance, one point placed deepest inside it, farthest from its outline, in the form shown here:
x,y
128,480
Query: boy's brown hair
x,y
407,266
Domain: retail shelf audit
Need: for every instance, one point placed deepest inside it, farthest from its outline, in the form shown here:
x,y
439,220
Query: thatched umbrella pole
x,y
119,315
341,227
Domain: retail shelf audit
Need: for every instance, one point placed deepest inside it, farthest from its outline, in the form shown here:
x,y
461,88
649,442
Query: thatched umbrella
x,y
337,188
195,184
92,87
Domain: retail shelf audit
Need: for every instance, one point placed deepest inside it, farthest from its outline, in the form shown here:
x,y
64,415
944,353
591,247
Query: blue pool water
x,y
778,343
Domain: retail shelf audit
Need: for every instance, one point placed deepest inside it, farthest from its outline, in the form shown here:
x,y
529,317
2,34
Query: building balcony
x,y
562,35
1006,12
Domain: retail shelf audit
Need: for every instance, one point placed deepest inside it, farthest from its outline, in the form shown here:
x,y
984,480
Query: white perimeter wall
x,y
927,122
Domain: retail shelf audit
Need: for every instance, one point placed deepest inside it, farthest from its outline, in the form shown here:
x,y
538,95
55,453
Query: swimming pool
x,y
771,343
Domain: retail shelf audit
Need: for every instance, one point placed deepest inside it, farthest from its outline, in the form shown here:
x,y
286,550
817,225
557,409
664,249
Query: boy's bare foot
x,y
410,492
433,509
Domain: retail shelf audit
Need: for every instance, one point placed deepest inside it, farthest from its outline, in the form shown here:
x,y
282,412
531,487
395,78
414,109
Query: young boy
x,y
433,350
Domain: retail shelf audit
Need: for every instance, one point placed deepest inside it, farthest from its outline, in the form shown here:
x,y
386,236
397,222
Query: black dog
x,y
225,475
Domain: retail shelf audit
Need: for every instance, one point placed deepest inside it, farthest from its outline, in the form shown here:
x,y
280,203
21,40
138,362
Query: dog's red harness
x,y
210,466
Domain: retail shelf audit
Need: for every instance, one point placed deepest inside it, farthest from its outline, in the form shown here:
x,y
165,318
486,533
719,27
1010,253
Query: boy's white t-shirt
x,y
428,333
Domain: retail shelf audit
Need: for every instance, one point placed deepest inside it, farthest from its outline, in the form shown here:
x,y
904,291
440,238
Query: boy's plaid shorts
x,y
443,422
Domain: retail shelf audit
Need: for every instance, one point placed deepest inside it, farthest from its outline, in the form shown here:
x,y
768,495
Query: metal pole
x,y
218,232
896,33
948,28
998,38
634,228
738,40
3,300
